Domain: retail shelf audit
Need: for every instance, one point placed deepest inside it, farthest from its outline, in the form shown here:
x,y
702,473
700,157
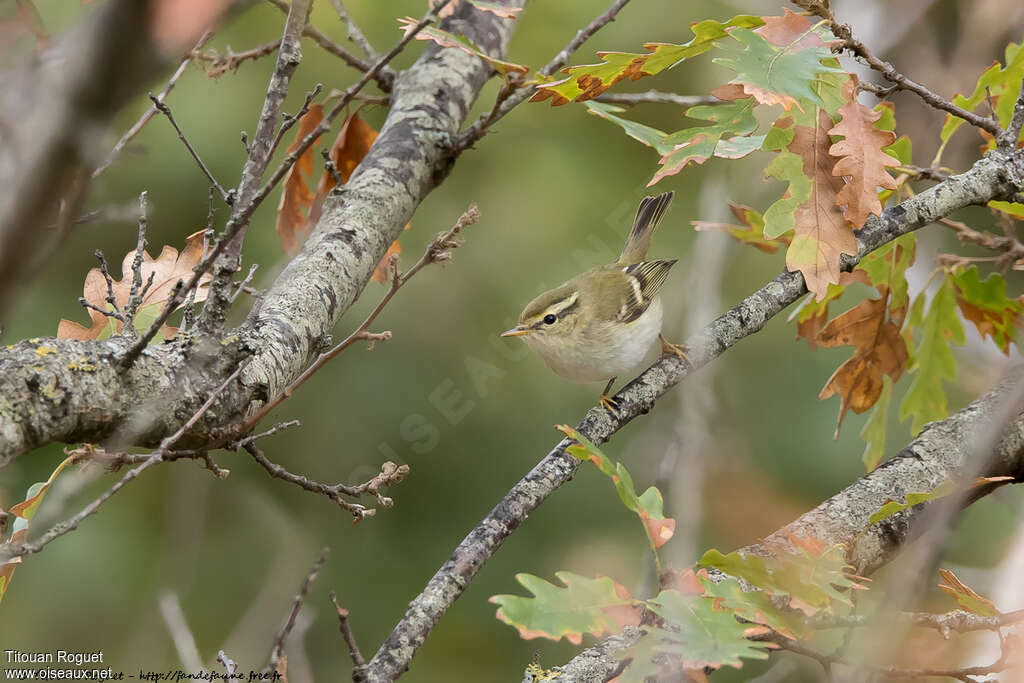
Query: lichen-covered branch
x,y
945,450
411,156
996,175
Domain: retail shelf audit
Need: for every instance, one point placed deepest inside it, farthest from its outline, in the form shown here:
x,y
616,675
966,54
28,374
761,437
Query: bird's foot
x,y
607,402
674,349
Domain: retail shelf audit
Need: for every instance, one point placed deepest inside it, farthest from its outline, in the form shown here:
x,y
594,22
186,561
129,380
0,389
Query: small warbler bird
x,y
601,323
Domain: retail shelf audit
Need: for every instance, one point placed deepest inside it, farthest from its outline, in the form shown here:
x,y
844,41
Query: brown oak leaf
x,y
861,160
167,269
785,30
821,234
296,197
873,330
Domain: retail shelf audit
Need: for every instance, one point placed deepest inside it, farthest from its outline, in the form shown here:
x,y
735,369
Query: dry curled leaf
x,y
821,234
873,330
352,144
862,159
167,269
296,197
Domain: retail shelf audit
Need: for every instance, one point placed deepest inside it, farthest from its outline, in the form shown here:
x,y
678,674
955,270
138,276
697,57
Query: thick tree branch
x,y
410,157
945,450
996,175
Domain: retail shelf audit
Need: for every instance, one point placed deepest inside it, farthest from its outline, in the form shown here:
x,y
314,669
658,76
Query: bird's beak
x,y
517,331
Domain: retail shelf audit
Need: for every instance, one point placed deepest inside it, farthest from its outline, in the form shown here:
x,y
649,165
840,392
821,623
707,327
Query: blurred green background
x,y
556,189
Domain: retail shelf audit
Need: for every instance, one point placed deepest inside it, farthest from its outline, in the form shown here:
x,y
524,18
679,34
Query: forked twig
x,y
437,251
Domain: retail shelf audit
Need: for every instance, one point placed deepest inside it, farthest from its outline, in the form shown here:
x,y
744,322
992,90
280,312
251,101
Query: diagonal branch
x,y
288,57
996,175
943,451
858,49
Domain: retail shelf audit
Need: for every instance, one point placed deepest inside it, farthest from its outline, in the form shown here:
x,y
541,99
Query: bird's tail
x,y
651,211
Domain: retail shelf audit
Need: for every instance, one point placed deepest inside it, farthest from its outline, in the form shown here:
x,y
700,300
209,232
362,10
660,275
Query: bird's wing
x,y
623,293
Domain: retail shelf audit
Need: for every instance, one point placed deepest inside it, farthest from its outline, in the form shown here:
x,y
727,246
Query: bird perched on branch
x,y
601,323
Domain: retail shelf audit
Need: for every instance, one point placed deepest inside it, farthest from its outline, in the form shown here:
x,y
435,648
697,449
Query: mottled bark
x,y
951,449
996,175
412,155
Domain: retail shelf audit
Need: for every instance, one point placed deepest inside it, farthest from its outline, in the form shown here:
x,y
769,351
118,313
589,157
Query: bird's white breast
x,y
604,350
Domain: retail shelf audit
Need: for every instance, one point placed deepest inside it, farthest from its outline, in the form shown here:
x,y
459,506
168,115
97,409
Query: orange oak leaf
x,y
785,30
729,92
352,144
879,349
167,269
812,316
296,197
821,234
862,159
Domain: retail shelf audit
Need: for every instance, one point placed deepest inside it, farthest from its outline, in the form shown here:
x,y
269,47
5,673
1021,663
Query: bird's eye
x,y
549,319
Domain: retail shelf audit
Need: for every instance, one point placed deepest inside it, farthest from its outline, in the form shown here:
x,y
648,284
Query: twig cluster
x,y
438,251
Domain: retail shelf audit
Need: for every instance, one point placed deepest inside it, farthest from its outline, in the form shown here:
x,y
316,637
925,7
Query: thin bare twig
x,y
157,456
230,61
279,427
151,112
958,621
828,660
859,50
347,96
289,55
658,97
243,286
111,299
290,120
354,34
390,474
358,663
172,304
115,461
300,597
510,98
135,294
926,173
330,168
437,251
385,77
1010,248
166,111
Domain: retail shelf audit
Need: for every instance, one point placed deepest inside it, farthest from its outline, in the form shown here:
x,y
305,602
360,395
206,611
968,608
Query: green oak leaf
x,y
891,507
873,432
984,303
587,81
706,637
596,606
648,506
699,143
787,167
775,74
933,360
